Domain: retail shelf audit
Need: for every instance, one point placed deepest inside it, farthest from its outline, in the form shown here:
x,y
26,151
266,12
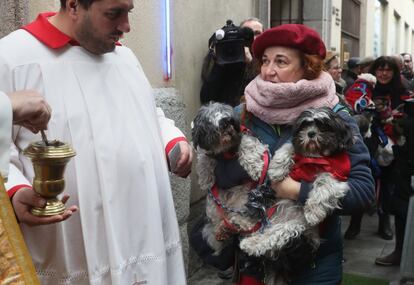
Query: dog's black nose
x,y
311,134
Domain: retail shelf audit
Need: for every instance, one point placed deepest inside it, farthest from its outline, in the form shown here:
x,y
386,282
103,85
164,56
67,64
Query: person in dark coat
x,y
350,73
389,95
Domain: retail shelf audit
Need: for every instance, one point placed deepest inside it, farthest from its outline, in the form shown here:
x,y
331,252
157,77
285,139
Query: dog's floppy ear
x,y
348,140
204,133
197,132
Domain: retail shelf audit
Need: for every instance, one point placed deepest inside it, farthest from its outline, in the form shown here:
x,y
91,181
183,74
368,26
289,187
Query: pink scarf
x,y
282,103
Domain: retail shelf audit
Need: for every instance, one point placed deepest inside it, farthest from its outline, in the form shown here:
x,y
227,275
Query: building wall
x,y
396,31
367,28
193,25
335,25
397,27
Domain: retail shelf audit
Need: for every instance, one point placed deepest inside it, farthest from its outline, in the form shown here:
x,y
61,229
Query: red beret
x,y
294,36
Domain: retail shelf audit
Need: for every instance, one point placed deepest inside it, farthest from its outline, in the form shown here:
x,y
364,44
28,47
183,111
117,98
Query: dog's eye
x,y
225,123
305,124
322,126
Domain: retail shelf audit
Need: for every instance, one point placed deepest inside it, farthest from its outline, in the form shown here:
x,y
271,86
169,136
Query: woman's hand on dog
x,y
286,189
183,167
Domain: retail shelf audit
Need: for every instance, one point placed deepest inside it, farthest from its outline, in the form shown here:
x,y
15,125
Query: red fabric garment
x,y
248,280
48,34
16,188
389,131
295,36
360,89
306,168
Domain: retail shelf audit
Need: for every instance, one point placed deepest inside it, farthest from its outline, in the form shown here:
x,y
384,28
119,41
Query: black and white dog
x,y
216,134
320,140
316,155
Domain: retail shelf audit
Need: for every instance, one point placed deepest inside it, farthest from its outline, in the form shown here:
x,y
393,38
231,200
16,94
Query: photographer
x,y
228,66
257,28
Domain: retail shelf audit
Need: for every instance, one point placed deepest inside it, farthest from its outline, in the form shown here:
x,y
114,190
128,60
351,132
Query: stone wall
x,y
172,105
13,14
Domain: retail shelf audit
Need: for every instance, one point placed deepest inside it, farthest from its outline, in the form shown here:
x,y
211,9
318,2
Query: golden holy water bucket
x,y
49,161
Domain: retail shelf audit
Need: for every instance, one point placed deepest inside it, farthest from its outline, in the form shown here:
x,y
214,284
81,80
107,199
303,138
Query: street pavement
x,y
359,256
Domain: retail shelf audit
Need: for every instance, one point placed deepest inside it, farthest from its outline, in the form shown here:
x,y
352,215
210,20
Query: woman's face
x,y
335,69
281,64
384,74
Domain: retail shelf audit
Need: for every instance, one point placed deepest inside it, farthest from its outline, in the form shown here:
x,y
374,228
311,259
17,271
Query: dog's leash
x,y
257,198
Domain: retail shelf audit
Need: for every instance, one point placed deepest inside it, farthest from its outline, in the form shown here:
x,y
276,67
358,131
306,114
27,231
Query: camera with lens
x,y
229,43
224,67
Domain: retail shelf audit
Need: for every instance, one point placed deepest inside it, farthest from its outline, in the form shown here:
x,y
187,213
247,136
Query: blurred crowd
x,y
378,92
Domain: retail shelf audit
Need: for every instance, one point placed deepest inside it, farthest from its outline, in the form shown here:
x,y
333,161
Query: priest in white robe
x,y
126,230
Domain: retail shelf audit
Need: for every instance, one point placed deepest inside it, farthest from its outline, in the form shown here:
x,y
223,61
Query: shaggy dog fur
x,y
216,130
317,133
291,238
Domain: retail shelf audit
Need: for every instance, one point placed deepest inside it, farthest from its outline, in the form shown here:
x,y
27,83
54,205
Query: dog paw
x,y
253,246
209,235
274,238
205,170
281,162
324,198
314,216
251,152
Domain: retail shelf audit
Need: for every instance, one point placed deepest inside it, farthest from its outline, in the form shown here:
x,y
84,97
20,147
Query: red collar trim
x,y
48,34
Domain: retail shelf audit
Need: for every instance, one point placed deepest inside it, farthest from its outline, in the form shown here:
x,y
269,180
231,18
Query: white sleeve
x,y
6,117
16,179
169,132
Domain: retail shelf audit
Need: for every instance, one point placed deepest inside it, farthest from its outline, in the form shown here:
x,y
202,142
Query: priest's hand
x,y
183,167
30,110
25,198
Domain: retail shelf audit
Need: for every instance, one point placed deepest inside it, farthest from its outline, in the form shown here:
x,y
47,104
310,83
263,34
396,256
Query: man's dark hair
x,y
406,53
84,3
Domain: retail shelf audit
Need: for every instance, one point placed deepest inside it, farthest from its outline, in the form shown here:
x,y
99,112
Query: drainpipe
x,y
300,12
264,13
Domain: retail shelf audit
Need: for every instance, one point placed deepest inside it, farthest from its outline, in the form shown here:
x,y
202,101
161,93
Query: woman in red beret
x,y
291,81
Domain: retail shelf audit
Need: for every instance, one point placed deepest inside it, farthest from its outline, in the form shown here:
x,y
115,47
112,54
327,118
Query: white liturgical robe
x,y
126,230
